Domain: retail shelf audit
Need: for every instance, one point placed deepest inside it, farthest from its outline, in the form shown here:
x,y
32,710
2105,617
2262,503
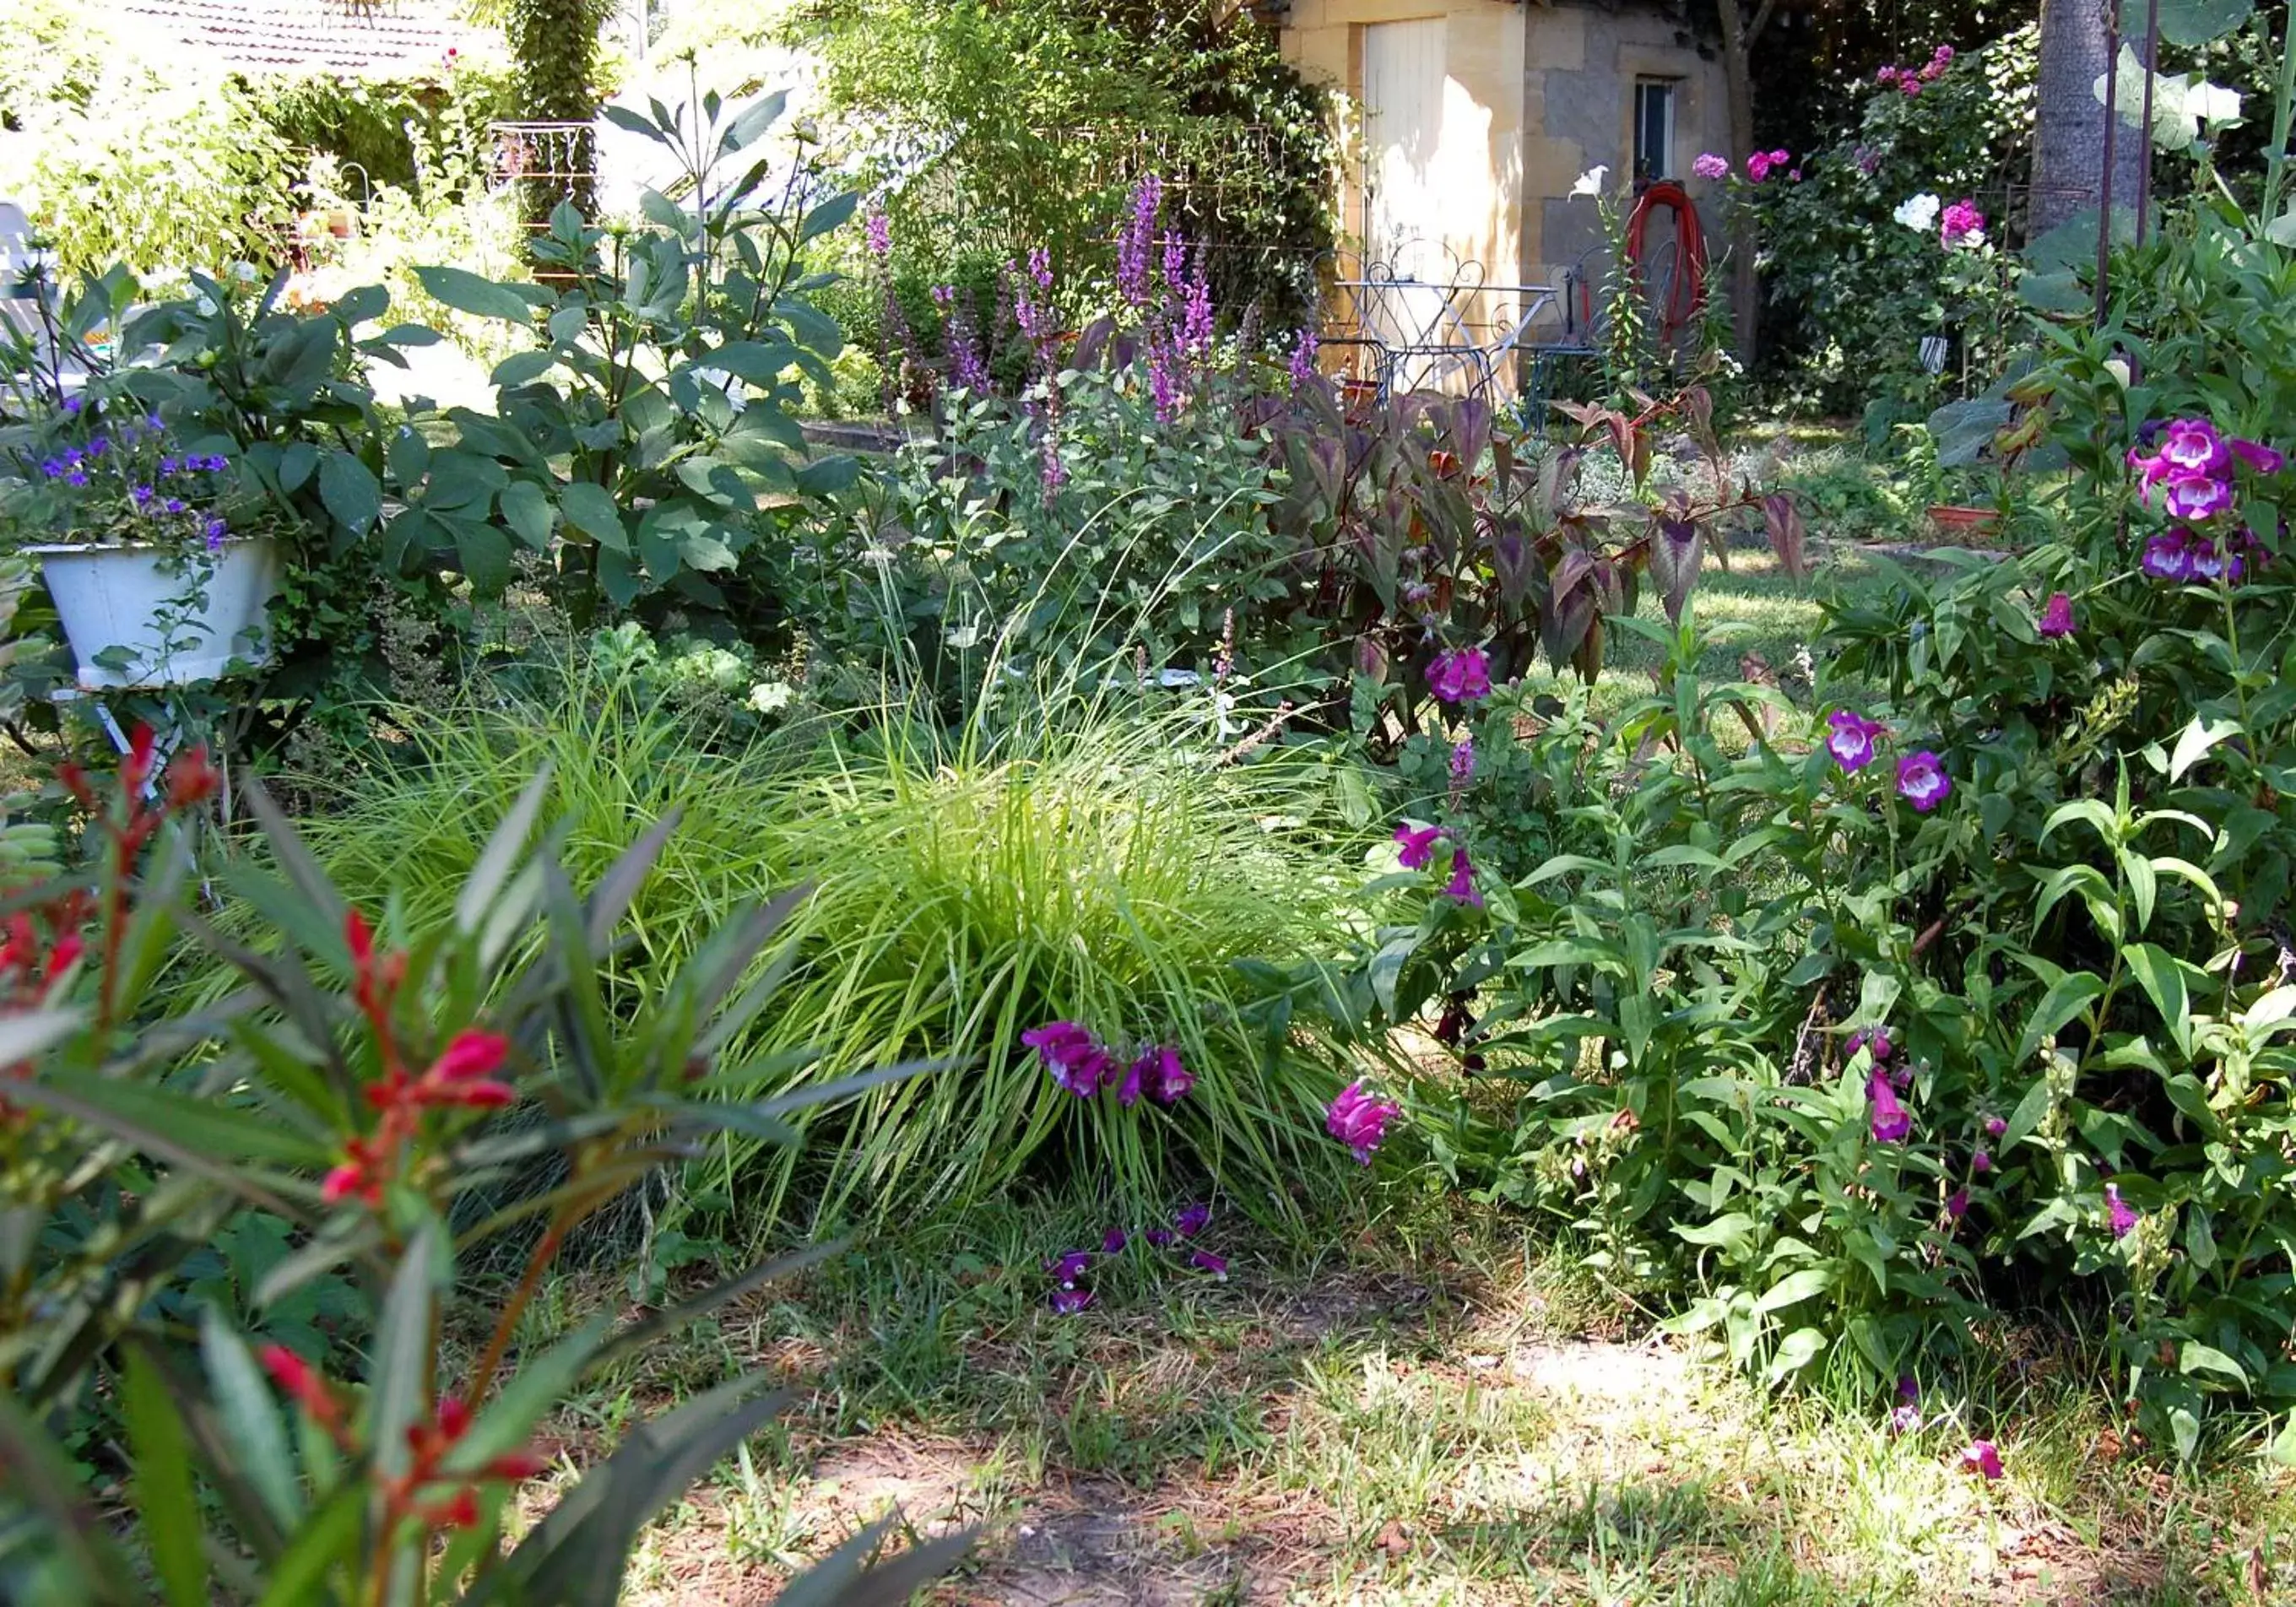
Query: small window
x,y
1654,129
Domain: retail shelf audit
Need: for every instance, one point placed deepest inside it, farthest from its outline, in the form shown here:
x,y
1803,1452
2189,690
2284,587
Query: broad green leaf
x,y
468,292
588,507
2163,981
2194,743
2066,998
2187,24
250,1419
161,1480
526,511
1796,1351
1794,1288
351,492
2192,1357
1728,1230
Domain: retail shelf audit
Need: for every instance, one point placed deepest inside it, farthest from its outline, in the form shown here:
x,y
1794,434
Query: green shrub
x,y
961,894
358,1090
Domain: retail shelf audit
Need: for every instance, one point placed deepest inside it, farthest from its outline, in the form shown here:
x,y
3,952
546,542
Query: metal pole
x,y
2112,130
2144,173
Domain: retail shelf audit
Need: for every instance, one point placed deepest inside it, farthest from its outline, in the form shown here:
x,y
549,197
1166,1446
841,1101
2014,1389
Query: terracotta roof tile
x,y
390,39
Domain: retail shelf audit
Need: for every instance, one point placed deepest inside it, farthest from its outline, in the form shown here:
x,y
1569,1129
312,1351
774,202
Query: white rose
x,y
1920,212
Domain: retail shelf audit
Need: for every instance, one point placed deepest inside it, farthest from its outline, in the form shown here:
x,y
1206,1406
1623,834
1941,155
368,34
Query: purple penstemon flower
x,y
1068,1302
1161,1237
1463,767
1891,1122
2193,447
1112,1242
2259,458
1983,1456
1203,1260
1463,676
1921,781
1072,1055
1068,1268
1360,1119
1874,1040
1418,845
1192,1219
1158,1073
2195,497
2168,556
2057,618
1905,1419
2119,1214
1462,885
1850,739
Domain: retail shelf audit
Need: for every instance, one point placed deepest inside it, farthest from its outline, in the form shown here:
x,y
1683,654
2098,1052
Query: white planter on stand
x,y
114,596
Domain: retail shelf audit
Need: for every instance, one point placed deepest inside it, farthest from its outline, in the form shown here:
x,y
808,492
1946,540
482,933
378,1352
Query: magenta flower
x,y
1891,1123
1068,1267
1994,1127
1963,225
1921,781
1191,1221
1983,1456
1910,84
1462,885
1710,166
2057,618
1418,845
1463,765
1073,1056
1203,1260
2193,447
1170,1083
1112,1242
1851,739
1779,159
1905,1419
2123,1219
1460,678
1758,166
1909,1388
1359,1120
2194,498
2261,458
1068,1302
2168,556
1980,1163
1957,1205
2211,562
1875,1041
880,230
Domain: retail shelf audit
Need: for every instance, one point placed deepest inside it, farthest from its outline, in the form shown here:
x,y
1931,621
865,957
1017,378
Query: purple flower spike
x,y
1303,358
1203,1260
1850,740
1462,885
1921,781
880,231
1418,845
1890,1122
2123,1218
1068,1302
1073,1056
1068,1267
2057,618
1359,1120
1463,676
1191,1221
1112,1242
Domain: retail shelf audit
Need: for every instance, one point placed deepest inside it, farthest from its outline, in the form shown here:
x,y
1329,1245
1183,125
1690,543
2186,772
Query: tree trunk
x,y
2068,121
1745,238
554,46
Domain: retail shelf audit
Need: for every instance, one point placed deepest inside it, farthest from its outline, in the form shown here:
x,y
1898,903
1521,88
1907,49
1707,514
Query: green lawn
x,y
1417,1411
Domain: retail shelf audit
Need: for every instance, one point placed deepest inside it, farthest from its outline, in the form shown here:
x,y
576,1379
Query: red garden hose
x,y
1688,297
